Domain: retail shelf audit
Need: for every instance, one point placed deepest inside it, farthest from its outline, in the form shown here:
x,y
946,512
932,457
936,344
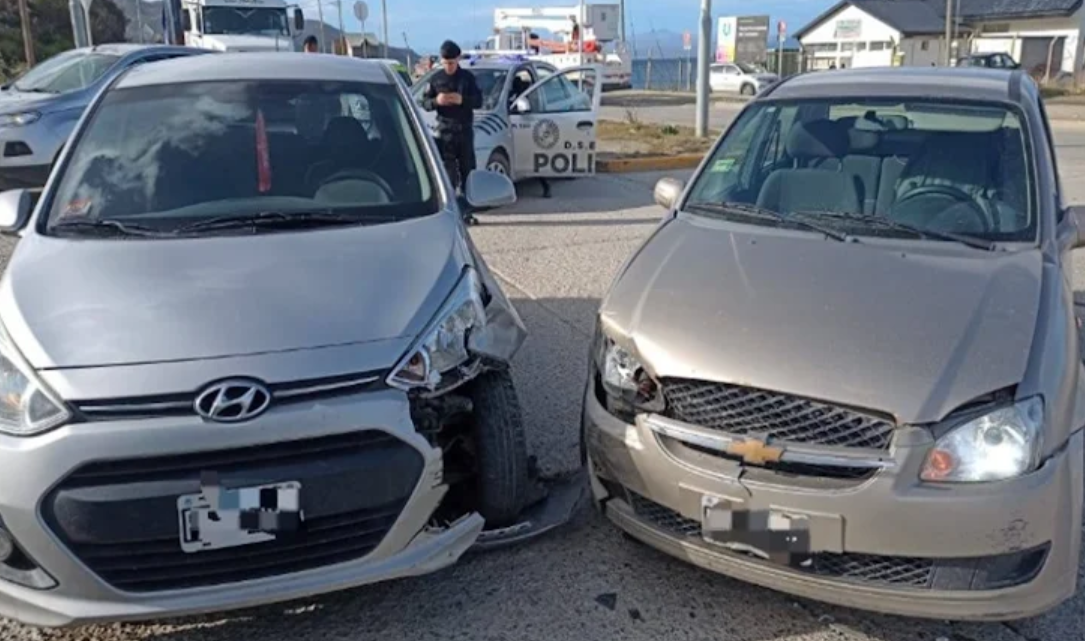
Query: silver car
x,y
243,361
39,109
845,365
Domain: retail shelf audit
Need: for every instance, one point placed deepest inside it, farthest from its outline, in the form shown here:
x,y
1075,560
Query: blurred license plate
x,y
223,518
769,534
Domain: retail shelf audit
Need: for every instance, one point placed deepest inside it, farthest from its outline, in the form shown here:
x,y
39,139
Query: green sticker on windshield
x,y
723,165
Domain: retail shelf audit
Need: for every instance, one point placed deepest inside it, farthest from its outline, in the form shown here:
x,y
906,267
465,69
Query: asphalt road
x,y
584,583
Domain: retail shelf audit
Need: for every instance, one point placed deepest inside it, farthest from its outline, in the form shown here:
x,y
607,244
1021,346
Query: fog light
x,y
7,545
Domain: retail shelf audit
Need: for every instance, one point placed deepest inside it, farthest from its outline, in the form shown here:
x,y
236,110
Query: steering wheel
x,y
962,202
357,174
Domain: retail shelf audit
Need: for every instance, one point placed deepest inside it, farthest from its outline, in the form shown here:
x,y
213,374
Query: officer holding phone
x,y
454,95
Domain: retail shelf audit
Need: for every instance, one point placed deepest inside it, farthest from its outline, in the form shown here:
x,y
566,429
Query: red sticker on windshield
x,y
263,158
76,208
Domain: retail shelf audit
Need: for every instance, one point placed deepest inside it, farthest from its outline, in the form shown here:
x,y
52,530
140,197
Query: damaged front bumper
x,y
998,551
564,497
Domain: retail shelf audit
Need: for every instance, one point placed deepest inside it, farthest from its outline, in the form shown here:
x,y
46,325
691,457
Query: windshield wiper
x,y
105,226
970,241
768,214
272,219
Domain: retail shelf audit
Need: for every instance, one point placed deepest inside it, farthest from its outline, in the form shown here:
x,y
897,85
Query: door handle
x,y
585,124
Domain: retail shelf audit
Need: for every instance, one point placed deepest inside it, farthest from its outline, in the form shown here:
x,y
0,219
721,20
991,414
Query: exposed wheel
x,y
499,163
747,90
501,449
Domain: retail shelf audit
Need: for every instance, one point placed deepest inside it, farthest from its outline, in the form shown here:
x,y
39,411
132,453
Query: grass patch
x,y
634,138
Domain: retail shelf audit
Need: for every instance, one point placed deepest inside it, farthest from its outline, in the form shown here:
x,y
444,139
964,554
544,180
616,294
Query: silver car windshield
x,y
878,168
66,72
167,157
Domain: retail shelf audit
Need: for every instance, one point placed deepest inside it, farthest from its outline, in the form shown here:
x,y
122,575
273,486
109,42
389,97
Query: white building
x,y
865,33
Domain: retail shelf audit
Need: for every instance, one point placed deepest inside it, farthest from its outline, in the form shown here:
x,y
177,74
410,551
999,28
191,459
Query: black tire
x,y
500,159
747,90
501,446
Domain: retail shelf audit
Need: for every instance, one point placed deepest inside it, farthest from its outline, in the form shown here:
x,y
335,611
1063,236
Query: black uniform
x,y
455,123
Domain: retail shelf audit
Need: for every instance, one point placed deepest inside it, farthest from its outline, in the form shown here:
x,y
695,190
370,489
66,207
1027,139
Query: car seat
x,y
963,161
814,182
344,145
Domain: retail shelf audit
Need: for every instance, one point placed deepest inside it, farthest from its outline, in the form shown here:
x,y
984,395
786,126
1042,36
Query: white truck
x,y
581,36
232,25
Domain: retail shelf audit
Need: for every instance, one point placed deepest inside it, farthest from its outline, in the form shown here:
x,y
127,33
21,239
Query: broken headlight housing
x,y
440,359
1001,444
27,405
628,389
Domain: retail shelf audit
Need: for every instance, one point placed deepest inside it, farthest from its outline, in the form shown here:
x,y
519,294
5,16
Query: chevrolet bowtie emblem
x,y
755,452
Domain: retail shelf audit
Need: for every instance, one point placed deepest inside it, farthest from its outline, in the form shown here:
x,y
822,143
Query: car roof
x,y
125,48
949,83
263,65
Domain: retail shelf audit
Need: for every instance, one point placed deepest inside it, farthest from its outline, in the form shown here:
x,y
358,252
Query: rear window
x,y
165,155
933,165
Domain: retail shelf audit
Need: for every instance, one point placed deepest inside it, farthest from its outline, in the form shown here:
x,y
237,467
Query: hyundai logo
x,y
233,401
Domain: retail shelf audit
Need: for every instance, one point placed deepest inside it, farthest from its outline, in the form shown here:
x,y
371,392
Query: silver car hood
x,y
912,334
81,303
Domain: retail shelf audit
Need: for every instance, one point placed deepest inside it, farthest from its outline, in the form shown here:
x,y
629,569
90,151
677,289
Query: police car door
x,y
554,124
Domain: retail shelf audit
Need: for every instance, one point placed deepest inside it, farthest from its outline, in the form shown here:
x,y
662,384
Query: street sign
x,y
687,41
361,11
781,29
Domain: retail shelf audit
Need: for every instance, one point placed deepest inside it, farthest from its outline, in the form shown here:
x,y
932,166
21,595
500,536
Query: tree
x,y
51,26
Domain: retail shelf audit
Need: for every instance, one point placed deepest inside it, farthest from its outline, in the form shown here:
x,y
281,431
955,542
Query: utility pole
x,y
704,51
28,39
407,45
323,34
621,20
384,17
342,29
949,29
139,20
581,19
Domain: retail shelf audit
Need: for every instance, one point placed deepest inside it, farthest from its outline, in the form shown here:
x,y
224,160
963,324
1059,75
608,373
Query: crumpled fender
x,y
505,331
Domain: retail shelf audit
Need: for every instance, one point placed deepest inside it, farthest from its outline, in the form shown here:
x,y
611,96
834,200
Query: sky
x,y
429,22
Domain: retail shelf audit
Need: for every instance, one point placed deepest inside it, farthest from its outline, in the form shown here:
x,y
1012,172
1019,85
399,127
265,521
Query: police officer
x,y
454,95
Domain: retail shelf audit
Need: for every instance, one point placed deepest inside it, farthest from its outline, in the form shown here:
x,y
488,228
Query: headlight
x,y
628,387
19,119
435,359
27,407
999,445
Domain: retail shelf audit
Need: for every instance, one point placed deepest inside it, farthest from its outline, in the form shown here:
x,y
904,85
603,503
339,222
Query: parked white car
x,y
740,77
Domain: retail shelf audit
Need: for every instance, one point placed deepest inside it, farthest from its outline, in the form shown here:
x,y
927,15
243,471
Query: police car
x,y
535,121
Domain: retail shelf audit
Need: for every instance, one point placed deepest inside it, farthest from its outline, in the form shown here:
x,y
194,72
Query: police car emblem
x,y
545,134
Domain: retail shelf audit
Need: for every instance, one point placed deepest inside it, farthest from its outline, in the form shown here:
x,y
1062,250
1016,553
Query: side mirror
x,y
488,189
667,192
521,106
16,206
299,20
186,20
1075,214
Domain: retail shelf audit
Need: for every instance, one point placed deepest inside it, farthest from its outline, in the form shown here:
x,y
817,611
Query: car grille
x,y
749,411
120,519
183,404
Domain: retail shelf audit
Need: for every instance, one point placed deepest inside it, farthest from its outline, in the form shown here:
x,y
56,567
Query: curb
x,y
648,163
